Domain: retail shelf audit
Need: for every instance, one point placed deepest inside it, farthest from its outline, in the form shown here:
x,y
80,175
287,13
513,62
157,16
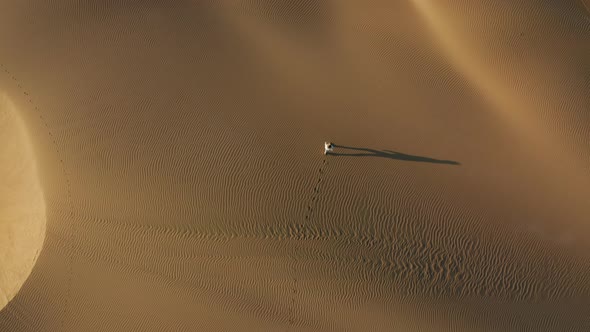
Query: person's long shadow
x,y
365,152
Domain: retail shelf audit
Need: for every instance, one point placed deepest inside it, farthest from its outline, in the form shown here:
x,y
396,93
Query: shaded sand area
x,y
22,208
180,152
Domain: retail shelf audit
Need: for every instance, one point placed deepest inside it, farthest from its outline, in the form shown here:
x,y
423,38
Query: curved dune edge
x,y
22,205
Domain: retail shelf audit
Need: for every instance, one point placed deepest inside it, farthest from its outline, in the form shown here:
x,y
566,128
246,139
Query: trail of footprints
x,y
69,190
298,235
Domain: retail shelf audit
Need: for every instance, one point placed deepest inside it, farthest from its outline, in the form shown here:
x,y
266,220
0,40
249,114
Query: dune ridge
x,y
22,205
180,155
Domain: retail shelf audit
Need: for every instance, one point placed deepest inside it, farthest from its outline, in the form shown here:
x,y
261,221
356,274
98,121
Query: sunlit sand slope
x,y
22,207
180,149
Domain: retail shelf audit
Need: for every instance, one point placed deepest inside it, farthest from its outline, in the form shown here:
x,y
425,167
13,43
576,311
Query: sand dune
x,y
22,208
178,152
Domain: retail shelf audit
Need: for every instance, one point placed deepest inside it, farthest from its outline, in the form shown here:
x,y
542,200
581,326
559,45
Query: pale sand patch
x,y
22,206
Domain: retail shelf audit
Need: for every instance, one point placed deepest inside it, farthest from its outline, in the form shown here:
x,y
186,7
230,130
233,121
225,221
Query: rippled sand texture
x,y
180,151
22,208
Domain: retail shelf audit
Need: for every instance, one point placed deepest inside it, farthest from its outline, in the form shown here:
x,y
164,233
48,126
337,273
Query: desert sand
x,y
22,206
164,161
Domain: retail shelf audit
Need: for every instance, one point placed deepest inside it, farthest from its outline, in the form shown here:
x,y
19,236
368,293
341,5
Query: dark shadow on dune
x,y
365,152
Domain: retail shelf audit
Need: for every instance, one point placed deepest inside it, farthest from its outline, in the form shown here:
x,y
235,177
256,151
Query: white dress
x,y
327,147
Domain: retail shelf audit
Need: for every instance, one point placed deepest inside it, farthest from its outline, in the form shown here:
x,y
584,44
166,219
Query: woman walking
x,y
328,147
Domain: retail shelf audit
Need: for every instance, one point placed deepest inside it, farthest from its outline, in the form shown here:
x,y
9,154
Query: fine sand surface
x,y
179,148
22,207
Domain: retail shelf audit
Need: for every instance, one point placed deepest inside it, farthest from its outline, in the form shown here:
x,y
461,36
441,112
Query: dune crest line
x,y
22,203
